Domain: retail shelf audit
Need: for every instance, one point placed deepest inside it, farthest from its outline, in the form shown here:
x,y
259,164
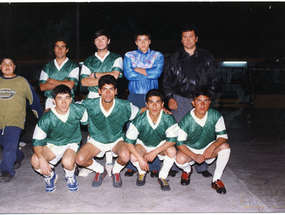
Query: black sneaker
x,y
130,173
154,173
5,177
185,178
117,181
98,178
219,186
172,173
141,179
17,165
164,184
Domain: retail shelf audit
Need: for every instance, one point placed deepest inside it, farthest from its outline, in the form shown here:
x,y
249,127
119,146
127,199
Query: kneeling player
x,y
202,138
57,136
155,134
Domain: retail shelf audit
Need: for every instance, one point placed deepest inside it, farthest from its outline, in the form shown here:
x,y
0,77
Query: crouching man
x,y
154,133
202,138
57,136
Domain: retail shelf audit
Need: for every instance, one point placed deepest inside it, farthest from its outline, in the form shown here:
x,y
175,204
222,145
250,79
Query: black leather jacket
x,y
180,72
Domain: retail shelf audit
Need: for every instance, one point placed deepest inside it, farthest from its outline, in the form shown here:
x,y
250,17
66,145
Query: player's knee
x,y
80,160
171,152
181,158
224,146
68,163
125,155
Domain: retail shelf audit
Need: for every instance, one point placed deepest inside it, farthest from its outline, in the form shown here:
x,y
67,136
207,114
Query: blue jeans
x,y
139,101
9,140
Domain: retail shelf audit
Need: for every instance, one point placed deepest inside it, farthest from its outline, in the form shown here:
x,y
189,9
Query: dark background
x,y
227,30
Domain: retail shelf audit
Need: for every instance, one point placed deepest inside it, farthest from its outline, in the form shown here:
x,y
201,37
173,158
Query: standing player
x,y
57,136
103,62
202,138
107,117
61,70
155,134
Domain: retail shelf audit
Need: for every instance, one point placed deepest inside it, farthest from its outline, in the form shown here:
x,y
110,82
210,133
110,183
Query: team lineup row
x,y
152,132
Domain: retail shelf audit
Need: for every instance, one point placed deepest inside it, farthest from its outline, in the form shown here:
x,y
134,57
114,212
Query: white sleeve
x,y
132,132
182,135
43,76
85,70
118,63
84,117
172,131
135,110
220,126
39,134
74,73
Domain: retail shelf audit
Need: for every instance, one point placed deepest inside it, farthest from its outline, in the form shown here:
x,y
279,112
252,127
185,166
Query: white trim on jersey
x,y
132,132
44,76
200,122
85,70
135,110
64,117
154,126
106,114
102,59
172,131
182,135
39,134
119,63
84,117
220,126
56,64
74,73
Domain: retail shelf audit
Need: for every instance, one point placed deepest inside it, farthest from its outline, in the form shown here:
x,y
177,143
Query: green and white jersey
x,y
111,62
143,129
107,127
198,133
60,129
67,70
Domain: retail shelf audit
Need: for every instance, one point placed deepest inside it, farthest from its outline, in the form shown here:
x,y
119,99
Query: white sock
x,y
222,160
39,171
69,173
167,164
117,167
109,157
137,165
96,167
186,167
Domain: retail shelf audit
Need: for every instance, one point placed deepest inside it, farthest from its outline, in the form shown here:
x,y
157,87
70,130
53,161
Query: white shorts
x,y
201,151
59,150
103,147
148,149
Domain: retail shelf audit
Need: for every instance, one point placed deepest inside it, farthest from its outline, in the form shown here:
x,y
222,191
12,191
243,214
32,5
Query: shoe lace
x,y
70,180
117,177
164,181
185,175
96,178
141,176
220,184
47,180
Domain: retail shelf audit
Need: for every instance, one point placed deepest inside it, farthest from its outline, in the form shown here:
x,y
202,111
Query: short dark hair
x,y
63,40
8,56
102,33
107,79
153,92
203,92
142,32
189,27
60,89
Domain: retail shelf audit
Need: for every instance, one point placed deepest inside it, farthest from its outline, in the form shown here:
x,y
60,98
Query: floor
x,y
253,178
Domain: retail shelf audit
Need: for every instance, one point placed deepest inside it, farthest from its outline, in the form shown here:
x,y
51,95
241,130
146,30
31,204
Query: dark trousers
x,y
9,140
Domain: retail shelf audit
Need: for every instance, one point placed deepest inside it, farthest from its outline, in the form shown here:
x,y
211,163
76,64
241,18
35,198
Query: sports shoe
x,y
130,173
5,177
185,178
50,182
117,181
219,186
72,183
164,184
17,165
98,178
109,168
84,172
141,179
172,173
154,173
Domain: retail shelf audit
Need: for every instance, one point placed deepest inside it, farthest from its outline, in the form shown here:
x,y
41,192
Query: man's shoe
x,y
84,172
219,186
163,184
5,177
154,173
130,173
109,168
185,178
141,179
72,183
98,178
117,180
17,165
50,182
172,173
206,174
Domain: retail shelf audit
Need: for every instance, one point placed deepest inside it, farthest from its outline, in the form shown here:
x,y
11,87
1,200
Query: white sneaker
x,y
109,168
22,144
84,172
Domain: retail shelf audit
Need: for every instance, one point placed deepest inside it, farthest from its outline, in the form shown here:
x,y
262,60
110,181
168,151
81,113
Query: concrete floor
x,y
253,178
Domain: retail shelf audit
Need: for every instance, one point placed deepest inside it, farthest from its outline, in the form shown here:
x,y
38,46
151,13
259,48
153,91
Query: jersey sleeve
x,y
74,75
84,119
39,137
118,66
220,128
135,111
85,71
132,134
43,77
172,133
